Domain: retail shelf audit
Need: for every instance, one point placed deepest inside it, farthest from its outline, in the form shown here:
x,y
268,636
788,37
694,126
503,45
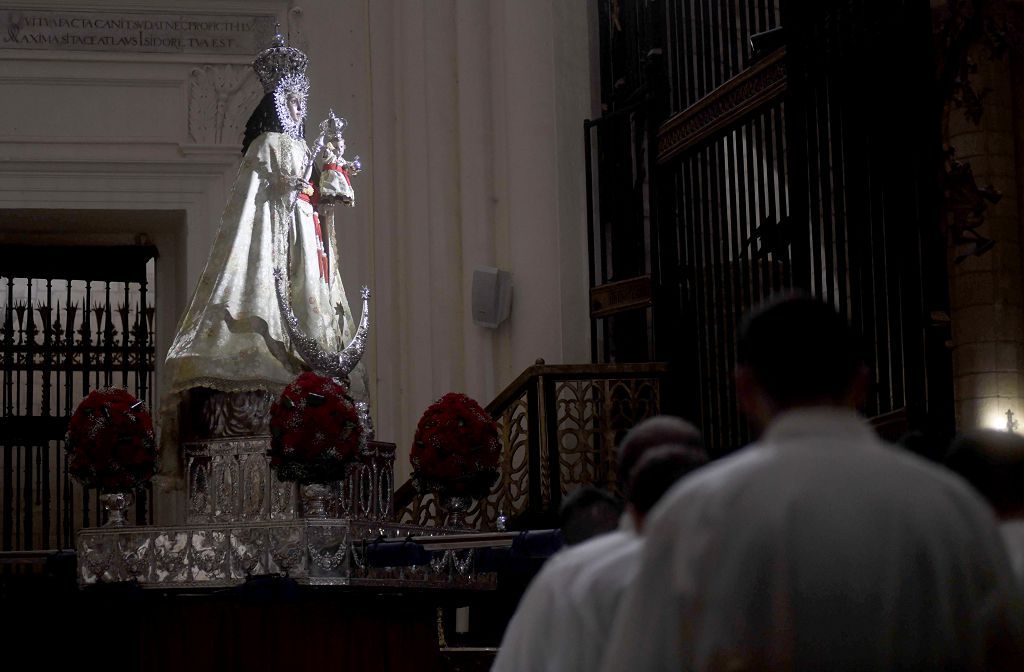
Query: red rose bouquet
x,y
315,430
111,442
456,448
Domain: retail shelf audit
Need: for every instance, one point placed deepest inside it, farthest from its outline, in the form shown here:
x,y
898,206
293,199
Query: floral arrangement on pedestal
x,y
315,436
455,452
112,447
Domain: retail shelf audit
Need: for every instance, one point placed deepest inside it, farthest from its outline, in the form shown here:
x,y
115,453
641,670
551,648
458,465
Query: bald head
x,y
661,430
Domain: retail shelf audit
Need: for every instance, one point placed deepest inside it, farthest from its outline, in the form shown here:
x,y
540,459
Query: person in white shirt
x,y
592,595
993,462
818,547
537,638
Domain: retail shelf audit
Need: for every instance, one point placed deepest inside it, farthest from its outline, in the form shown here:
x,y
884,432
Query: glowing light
x,y
1000,414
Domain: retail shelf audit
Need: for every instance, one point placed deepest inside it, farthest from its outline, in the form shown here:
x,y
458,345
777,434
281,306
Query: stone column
x,y
985,291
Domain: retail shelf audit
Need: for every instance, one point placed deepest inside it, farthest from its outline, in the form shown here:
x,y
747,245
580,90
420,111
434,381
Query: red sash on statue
x,y
338,168
321,251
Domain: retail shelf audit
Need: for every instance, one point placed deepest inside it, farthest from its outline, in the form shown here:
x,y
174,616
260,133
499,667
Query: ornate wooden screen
x,y
559,428
73,319
794,146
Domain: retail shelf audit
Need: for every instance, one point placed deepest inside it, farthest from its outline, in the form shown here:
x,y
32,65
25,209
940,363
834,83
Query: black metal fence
x,y
708,43
865,152
727,252
783,144
74,319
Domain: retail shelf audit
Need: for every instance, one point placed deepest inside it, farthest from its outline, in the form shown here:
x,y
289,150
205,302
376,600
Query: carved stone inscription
x,y
134,31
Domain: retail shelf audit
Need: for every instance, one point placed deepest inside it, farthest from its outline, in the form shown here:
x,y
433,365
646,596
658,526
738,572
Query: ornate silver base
x,y
231,480
329,551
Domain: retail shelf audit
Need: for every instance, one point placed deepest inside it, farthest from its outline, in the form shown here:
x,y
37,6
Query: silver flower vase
x,y
456,507
116,505
314,500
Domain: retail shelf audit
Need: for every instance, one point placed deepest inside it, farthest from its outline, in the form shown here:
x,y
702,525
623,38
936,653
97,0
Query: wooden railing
x,y
559,426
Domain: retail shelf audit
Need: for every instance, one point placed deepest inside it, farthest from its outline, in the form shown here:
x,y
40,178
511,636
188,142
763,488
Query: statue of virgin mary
x,y
232,337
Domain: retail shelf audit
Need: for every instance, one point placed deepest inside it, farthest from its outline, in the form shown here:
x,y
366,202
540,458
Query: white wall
x,y
467,115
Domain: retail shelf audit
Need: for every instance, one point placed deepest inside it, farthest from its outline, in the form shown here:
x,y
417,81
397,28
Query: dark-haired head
x,y
587,512
657,470
993,462
796,350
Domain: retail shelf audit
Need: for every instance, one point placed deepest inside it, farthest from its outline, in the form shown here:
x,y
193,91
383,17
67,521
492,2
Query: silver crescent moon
x,y
323,362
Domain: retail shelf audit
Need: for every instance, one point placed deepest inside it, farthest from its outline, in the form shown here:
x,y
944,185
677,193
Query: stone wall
x,y
987,310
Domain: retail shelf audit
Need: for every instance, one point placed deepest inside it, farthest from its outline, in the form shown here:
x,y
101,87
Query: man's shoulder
x,y
776,472
609,569
719,477
703,495
543,606
570,559
909,471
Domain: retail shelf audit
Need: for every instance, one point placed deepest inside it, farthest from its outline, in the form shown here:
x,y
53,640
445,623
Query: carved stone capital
x,y
220,100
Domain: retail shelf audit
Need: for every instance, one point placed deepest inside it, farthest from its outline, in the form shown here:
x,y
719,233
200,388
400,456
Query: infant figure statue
x,y
336,171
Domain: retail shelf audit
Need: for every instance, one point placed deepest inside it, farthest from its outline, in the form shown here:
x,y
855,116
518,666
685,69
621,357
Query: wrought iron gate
x,y
786,144
74,319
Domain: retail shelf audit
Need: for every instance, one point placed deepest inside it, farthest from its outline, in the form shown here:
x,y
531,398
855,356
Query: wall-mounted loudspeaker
x,y
492,296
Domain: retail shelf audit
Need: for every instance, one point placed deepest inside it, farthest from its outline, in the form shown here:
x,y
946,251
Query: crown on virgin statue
x,y
279,64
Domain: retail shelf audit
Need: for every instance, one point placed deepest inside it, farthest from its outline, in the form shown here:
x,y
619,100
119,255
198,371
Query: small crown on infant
x,y
333,125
